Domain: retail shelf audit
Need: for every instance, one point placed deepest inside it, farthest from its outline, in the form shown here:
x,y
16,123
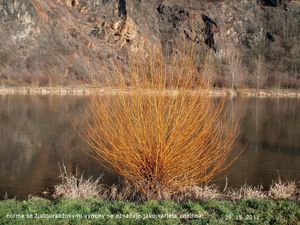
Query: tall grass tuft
x,y
247,192
283,190
159,130
74,187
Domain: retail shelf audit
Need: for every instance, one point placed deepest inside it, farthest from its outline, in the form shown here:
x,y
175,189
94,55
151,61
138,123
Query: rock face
x,y
65,41
273,3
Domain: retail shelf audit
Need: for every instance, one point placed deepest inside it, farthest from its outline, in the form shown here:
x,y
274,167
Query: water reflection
x,y
36,135
270,138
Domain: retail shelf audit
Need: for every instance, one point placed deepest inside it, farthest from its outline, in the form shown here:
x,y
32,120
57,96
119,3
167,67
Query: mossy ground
x,y
150,212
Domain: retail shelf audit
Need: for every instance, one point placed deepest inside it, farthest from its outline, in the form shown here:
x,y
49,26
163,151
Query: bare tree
x,y
234,61
209,73
260,76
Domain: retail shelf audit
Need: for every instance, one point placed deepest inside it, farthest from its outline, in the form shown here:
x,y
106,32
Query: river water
x,y
36,136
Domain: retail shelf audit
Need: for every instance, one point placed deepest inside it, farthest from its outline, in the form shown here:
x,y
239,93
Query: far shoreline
x,y
89,90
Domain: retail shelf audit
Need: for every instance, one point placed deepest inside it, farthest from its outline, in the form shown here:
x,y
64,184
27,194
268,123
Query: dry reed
x,y
80,188
159,131
283,190
247,192
73,187
202,193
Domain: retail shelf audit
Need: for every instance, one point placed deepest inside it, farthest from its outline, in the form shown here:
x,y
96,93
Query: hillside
x,y
248,43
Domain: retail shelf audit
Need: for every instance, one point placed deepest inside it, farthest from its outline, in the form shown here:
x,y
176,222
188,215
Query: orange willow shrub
x,y
159,130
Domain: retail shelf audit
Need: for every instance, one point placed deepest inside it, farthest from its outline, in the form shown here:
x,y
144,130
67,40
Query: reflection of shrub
x,y
159,131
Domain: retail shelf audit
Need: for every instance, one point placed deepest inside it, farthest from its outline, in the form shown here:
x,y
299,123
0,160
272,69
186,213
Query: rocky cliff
x,y
67,41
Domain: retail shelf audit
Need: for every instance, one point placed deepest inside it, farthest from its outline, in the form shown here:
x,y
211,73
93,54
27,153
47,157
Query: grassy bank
x,y
41,211
88,90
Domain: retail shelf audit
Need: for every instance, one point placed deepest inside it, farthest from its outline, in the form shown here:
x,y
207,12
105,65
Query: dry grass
x,y
198,193
80,188
247,192
159,132
72,187
280,190
122,192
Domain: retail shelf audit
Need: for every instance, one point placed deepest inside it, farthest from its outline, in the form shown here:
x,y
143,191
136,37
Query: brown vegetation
x,y
73,187
64,42
161,134
281,190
